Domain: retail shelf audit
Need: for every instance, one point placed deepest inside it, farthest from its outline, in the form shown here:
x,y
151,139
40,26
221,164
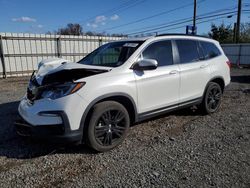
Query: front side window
x,y
210,50
188,51
160,51
112,54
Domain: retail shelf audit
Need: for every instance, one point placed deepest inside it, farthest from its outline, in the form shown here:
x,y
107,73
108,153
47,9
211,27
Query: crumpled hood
x,y
47,65
61,70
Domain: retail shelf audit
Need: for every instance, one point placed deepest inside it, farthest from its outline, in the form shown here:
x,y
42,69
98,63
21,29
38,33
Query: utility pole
x,y
234,32
194,17
238,22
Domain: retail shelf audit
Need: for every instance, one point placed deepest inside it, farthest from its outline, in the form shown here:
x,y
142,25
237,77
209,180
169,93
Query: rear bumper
x,y
58,133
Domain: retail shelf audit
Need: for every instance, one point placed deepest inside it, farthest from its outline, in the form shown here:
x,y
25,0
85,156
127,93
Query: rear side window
x,y
160,51
210,50
188,51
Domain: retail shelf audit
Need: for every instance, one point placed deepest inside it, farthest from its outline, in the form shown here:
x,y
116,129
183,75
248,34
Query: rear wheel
x,y
212,99
108,126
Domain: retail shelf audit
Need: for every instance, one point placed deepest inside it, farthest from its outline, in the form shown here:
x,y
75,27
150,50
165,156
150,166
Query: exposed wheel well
x,y
219,81
125,101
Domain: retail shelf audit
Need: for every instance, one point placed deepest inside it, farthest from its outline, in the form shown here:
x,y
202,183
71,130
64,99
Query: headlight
x,y
58,91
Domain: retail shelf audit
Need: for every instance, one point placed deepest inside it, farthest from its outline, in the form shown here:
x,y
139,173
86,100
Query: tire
x,y
108,126
212,98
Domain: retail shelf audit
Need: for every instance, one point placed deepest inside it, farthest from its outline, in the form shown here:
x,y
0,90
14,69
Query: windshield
x,y
112,54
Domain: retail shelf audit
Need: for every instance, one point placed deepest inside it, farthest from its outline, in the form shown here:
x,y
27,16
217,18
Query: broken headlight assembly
x,y
61,90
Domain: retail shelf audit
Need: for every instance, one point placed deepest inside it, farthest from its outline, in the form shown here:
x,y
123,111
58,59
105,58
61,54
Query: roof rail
x,y
180,34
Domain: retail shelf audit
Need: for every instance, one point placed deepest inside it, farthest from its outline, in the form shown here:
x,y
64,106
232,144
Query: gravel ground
x,y
181,149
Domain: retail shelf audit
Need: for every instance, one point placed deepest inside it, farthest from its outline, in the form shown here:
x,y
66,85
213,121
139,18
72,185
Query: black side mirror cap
x,y
145,64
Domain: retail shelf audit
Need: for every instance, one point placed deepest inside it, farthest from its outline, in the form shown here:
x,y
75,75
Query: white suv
x,y
95,100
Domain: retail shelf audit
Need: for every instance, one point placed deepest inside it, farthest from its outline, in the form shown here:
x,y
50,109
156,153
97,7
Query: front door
x,y
159,88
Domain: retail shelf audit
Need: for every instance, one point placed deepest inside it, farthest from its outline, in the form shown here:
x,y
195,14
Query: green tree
x,y
221,33
245,33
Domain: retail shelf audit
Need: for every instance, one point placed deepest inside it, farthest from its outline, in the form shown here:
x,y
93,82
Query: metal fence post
x,y
2,56
239,55
58,47
100,41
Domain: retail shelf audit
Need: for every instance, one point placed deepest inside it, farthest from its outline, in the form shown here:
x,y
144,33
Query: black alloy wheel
x,y
212,98
108,126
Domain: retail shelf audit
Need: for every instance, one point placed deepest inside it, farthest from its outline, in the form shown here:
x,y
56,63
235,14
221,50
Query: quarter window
x,y
160,51
210,50
188,51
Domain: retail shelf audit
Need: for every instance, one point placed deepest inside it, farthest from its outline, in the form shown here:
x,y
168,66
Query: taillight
x,y
229,63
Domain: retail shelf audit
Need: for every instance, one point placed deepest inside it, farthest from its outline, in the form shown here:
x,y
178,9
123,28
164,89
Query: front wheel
x,y
108,126
212,98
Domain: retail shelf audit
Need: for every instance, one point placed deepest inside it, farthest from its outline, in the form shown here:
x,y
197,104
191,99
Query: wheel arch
x,y
123,98
220,81
217,79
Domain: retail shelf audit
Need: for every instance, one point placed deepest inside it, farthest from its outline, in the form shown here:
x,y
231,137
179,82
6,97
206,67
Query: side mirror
x,y
145,64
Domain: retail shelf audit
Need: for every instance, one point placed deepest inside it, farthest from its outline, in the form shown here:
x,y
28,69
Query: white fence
x,y
238,54
20,53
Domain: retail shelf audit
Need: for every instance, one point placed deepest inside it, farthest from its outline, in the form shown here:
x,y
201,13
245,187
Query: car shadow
x,y
14,146
241,79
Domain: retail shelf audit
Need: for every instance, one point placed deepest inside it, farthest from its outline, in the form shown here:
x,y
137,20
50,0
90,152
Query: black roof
x,y
180,34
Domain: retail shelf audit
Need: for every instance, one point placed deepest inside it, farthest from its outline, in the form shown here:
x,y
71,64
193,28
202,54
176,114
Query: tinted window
x,y
188,51
160,51
210,50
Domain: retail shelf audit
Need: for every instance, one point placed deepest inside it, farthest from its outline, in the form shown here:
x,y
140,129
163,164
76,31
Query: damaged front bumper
x,y
55,133
56,120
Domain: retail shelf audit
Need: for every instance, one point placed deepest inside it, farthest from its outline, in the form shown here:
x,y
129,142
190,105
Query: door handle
x,y
173,72
203,66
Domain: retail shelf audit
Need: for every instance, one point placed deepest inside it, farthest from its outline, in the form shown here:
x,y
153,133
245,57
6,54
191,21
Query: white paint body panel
x,y
150,90
69,104
157,88
194,78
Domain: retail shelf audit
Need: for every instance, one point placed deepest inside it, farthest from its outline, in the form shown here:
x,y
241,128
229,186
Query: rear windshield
x,y
111,54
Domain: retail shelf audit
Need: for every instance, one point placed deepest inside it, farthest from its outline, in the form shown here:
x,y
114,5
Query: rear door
x,y
194,70
159,88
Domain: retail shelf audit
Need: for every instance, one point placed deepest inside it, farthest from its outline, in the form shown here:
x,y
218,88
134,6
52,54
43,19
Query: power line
x,y
196,23
159,14
178,23
119,8
185,25
110,10
152,16
188,19
132,5
122,5
208,13
219,10
243,11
